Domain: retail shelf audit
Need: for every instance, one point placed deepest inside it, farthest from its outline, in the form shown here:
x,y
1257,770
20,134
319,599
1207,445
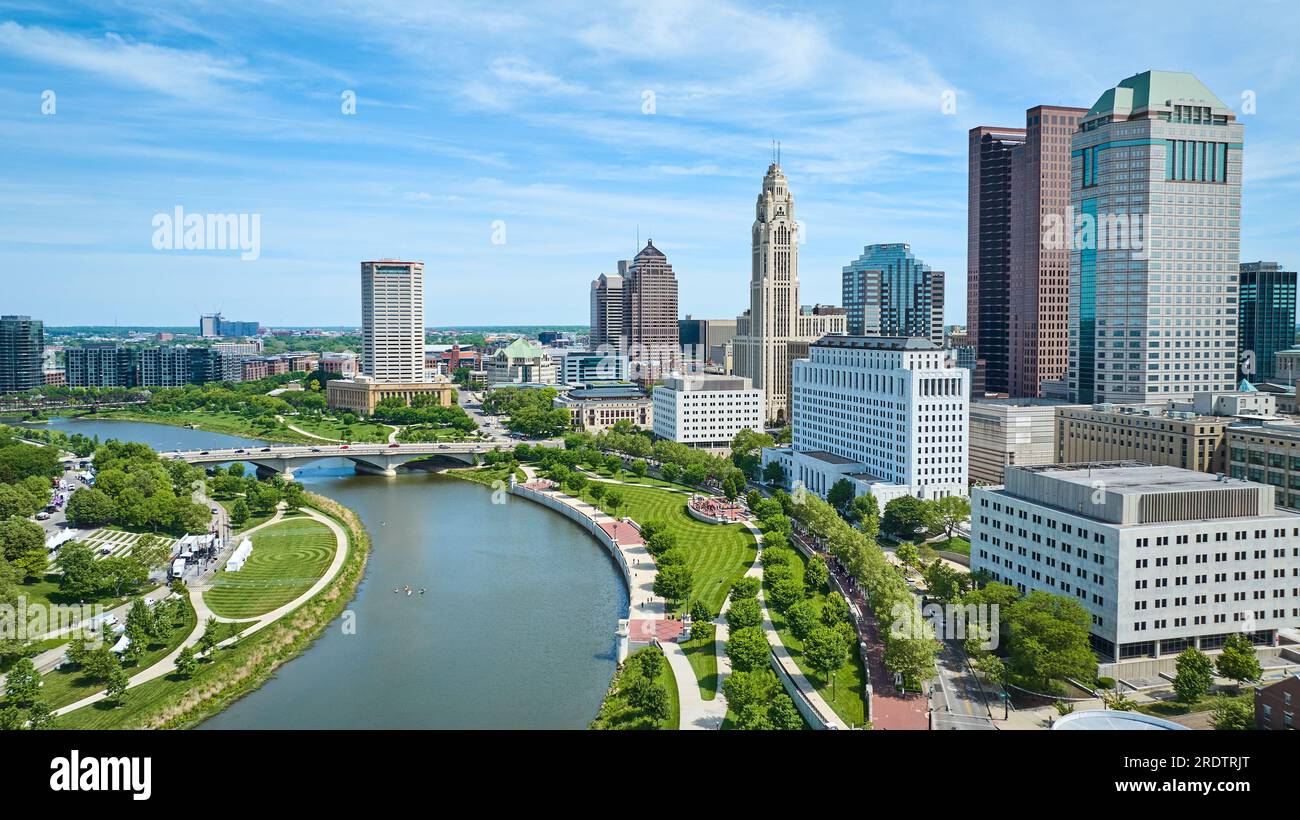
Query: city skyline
x,y
209,114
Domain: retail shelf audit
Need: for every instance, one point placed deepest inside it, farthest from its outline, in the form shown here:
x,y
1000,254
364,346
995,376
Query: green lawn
x,y
648,481
703,655
1174,708
63,686
955,544
850,680
45,593
217,422
288,557
331,428
717,554
254,518
617,713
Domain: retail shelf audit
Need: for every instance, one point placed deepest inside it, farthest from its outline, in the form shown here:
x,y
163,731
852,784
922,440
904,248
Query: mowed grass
x,y
702,652
717,554
287,559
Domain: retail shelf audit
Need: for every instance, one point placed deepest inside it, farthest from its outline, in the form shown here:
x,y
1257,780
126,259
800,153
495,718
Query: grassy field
x,y
487,476
45,593
617,713
254,518
647,481
955,544
332,429
1174,708
717,554
703,655
229,423
850,679
63,686
233,671
288,557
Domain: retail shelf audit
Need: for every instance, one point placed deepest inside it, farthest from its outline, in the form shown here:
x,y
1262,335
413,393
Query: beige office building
x,y
1011,433
1171,438
362,394
392,320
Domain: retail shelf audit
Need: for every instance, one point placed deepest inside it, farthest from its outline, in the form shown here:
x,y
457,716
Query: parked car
x,y
42,516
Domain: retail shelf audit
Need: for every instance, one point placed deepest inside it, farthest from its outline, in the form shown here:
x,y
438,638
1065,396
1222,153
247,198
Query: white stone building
x,y
1161,557
706,410
885,412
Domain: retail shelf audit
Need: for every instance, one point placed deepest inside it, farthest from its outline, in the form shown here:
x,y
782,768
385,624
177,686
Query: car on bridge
x,y
266,449
394,445
343,447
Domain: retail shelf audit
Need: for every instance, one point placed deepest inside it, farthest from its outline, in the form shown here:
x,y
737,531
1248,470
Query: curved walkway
x,y
168,664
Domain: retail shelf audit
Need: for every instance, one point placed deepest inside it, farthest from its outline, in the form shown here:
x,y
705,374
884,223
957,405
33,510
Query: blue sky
x,y
469,114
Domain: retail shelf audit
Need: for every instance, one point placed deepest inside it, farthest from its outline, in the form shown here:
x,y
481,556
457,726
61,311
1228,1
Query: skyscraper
x,y
607,311
765,333
22,350
889,292
988,248
392,320
1039,278
1266,317
1155,191
650,314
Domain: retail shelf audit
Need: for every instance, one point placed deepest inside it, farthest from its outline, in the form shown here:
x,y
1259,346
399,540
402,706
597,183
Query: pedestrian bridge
x,y
380,459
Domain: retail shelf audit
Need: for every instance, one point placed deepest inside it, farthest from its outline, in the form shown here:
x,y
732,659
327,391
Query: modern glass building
x,y
1155,196
1266,317
22,348
988,248
889,292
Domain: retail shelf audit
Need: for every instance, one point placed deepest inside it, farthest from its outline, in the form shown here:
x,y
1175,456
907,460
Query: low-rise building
x,y
1162,558
362,394
1135,432
344,364
588,366
599,407
1011,433
521,362
706,410
1277,703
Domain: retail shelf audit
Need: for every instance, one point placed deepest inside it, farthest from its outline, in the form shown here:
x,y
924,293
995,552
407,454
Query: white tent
x,y
121,645
240,556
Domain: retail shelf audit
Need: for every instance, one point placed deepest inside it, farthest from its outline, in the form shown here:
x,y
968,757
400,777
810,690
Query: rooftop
x,y
1131,477
878,342
1107,719
1153,89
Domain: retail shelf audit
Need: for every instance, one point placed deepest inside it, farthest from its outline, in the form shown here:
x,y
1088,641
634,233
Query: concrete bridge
x,y
379,459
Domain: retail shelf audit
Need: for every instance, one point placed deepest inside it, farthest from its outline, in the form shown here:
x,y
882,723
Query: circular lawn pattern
x,y
288,557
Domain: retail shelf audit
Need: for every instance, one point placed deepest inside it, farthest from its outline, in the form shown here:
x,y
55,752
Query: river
x,y
516,629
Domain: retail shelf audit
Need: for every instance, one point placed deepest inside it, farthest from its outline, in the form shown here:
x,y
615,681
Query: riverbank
x,y
239,668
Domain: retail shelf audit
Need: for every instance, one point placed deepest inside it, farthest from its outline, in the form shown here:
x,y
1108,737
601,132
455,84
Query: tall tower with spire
x,y
775,331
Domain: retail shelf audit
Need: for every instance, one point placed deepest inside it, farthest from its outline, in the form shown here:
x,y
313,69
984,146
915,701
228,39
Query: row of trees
x,y
753,693
26,472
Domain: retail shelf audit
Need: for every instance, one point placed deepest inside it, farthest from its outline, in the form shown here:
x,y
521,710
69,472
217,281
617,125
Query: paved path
x,y
168,664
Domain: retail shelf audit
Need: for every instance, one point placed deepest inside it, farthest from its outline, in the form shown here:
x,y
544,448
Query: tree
x,y
944,582
640,467
748,650
90,507
22,684
1049,640
210,639
613,500
660,541
671,472
827,650
695,474
907,517
32,565
744,587
19,536
1232,714
754,718
597,490
81,576
835,610
1195,675
1237,661
652,663
774,473
783,714
785,592
907,553
1117,702
744,613
746,688
815,574
840,496
951,510
186,663
238,513
700,612
803,617
116,684
673,582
